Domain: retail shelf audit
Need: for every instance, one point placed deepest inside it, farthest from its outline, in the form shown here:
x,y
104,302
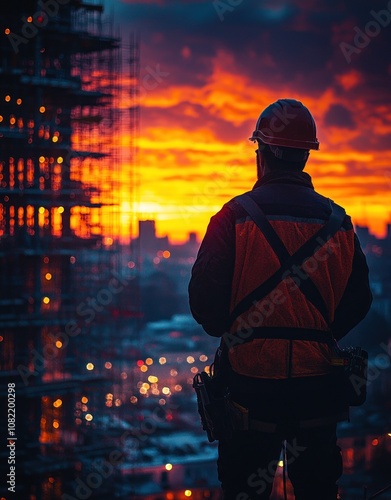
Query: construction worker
x,y
277,302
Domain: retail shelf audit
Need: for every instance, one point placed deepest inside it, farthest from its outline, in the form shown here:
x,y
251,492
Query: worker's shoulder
x,y
295,205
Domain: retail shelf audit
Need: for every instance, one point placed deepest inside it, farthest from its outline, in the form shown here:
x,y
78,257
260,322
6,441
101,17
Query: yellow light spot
x,y
166,254
41,210
188,493
109,396
54,138
107,241
57,403
56,425
7,98
41,159
281,463
60,210
42,109
90,366
144,368
58,344
46,300
48,276
19,101
89,417
168,466
7,31
162,360
190,359
166,390
389,434
108,365
84,400
149,361
60,159
153,379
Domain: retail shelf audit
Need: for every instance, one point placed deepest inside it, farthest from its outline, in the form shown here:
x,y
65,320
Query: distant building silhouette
x,y
148,246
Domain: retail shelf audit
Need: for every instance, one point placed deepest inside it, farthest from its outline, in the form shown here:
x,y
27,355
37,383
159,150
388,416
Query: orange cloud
x,y
193,158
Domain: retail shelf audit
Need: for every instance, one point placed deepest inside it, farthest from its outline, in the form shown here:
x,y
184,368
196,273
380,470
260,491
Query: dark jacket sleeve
x,y
357,298
211,277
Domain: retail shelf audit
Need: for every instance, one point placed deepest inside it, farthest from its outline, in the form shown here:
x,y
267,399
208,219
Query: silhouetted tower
x,y
59,176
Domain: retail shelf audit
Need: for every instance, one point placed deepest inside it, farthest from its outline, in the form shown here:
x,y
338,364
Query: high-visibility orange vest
x,y
291,330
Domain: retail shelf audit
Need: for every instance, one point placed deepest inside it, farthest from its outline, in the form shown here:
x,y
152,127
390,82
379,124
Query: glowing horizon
x,y
202,90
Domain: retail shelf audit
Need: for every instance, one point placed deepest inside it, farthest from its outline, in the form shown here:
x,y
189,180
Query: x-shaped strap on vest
x,y
287,261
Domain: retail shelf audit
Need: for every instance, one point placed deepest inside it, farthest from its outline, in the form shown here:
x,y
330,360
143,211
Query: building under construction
x,y
62,274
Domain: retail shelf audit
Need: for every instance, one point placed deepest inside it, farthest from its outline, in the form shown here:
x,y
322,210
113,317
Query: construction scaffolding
x,y
62,274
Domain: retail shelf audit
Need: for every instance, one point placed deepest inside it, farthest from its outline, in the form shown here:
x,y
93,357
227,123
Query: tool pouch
x,y
351,364
238,415
212,397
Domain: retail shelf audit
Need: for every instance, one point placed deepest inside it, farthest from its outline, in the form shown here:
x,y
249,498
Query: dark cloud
x,y
281,41
339,116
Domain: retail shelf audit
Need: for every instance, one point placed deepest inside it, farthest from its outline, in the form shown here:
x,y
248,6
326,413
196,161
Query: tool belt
x,y
220,415
241,420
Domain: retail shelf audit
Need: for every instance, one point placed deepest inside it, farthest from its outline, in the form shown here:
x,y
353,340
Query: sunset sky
x,y
208,68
